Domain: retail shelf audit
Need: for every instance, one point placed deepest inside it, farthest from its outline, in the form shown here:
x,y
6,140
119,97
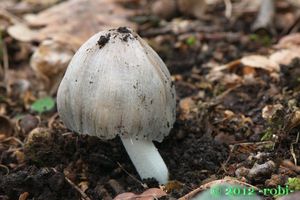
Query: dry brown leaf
x,y
248,71
173,185
294,121
194,8
24,196
290,165
22,33
50,61
262,62
153,193
269,111
248,64
5,126
19,155
225,138
42,2
285,56
216,73
84,185
126,196
73,22
231,80
164,8
150,194
292,40
186,105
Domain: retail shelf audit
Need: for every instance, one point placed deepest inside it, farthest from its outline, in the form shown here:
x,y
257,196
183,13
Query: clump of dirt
x,y
123,30
103,40
43,183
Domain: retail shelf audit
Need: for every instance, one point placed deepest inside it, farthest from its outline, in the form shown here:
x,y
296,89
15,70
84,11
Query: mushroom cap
x,y
116,84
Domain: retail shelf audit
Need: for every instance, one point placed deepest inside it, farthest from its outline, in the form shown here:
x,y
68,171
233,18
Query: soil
x,y
103,40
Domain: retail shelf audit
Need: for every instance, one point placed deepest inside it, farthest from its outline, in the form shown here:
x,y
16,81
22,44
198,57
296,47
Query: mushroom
x,y
116,84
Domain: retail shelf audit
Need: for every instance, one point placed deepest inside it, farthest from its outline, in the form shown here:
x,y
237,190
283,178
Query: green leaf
x,y
191,41
43,105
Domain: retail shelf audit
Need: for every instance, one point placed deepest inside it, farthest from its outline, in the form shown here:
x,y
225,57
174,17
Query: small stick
x,y
6,168
264,19
228,8
82,193
15,139
292,149
140,182
5,63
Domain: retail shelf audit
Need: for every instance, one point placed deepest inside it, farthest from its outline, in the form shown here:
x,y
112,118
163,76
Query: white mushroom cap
x,y
117,84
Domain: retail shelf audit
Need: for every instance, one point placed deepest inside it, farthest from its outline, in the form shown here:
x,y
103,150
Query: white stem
x,y
146,159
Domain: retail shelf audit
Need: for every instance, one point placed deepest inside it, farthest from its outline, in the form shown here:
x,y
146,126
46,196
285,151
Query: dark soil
x,y
103,40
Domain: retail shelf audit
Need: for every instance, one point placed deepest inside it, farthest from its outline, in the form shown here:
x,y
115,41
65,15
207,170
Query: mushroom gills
x,y
146,159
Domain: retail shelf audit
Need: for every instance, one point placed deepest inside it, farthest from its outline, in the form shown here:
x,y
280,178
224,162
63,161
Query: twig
x,y
67,133
82,193
14,149
292,149
5,62
264,19
140,182
6,168
293,27
228,8
15,139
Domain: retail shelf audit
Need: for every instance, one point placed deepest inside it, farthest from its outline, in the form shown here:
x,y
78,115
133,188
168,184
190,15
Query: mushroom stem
x,y
146,159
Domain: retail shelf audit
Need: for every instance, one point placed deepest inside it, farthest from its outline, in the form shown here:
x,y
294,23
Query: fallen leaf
x,y
173,185
22,33
150,194
24,196
153,193
27,123
5,126
294,120
126,196
195,8
292,40
262,62
270,110
49,61
61,22
43,105
186,105
285,56
42,2
290,165
84,185
19,155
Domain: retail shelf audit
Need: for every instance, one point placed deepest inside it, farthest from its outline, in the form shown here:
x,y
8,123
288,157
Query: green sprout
x,y
191,41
